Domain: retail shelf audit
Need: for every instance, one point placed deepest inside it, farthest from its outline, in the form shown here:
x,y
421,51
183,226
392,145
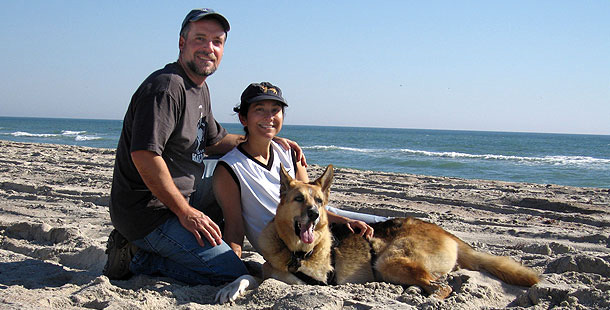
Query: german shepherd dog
x,y
299,247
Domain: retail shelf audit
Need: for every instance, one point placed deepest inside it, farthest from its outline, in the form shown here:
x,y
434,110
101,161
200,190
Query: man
x,y
167,129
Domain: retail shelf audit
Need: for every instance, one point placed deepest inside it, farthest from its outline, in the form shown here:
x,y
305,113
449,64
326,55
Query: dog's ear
x,y
285,180
326,179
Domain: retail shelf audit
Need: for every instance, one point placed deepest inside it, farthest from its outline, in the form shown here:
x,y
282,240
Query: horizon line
x,y
342,126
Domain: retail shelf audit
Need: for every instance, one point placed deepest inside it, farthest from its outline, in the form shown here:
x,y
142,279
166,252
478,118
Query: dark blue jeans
x,y
172,251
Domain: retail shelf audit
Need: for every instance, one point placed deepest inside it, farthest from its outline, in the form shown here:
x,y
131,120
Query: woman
x,y
246,181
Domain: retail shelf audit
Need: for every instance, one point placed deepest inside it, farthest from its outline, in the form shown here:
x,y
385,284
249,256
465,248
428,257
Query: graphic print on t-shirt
x,y
199,151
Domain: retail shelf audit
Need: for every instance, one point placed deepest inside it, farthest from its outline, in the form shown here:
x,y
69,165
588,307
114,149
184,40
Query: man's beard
x,y
204,72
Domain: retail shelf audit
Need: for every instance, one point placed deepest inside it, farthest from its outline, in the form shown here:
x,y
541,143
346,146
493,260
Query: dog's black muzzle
x,y
313,214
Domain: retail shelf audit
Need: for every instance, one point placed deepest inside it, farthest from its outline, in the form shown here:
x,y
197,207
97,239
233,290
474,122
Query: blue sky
x,y
532,66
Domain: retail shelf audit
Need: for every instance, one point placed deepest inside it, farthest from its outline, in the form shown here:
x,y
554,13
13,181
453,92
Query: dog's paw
x,y
439,289
235,289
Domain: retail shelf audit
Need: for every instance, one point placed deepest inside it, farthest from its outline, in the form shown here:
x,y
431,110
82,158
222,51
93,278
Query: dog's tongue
x,y
307,233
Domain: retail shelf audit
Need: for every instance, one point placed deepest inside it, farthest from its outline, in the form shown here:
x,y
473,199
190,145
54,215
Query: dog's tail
x,y
502,267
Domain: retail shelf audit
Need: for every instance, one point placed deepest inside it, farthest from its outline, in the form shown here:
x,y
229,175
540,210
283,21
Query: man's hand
x,y
159,181
199,225
289,144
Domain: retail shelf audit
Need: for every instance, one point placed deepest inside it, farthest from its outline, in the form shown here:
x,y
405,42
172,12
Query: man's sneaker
x,y
120,252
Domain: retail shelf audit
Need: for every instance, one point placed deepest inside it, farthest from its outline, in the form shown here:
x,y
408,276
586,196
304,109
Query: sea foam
x,y
27,134
575,161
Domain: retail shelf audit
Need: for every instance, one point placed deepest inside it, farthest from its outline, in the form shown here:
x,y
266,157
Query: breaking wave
x,y
556,160
65,134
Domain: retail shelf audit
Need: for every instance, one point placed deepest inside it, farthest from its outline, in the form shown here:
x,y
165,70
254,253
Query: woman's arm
x,y
301,172
365,230
229,198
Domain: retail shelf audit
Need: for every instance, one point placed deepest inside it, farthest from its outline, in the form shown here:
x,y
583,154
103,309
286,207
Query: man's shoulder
x,y
169,78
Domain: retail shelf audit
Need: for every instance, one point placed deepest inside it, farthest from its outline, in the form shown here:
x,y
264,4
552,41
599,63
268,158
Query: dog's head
x,y
301,214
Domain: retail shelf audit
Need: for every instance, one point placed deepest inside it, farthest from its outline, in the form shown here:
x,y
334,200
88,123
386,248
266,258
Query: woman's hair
x,y
243,112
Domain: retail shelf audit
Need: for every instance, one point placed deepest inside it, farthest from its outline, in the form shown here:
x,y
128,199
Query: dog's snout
x,y
313,213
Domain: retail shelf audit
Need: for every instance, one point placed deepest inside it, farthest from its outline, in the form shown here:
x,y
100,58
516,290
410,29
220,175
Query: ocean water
x,y
575,160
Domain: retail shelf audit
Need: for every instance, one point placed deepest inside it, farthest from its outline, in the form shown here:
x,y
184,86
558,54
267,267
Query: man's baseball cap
x,y
198,14
259,91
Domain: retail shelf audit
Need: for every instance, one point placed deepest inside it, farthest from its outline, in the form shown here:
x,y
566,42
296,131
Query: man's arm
x,y
225,144
156,176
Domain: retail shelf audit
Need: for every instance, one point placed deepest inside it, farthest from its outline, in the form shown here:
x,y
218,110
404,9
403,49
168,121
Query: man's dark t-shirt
x,y
172,117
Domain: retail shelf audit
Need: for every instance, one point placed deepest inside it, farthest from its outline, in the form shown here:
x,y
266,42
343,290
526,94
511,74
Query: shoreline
x,y
54,223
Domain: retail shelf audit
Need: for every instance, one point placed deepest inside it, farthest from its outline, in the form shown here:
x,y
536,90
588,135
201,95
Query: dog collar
x,y
295,263
296,258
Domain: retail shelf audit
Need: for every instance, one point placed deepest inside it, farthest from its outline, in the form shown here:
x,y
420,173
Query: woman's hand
x,y
365,230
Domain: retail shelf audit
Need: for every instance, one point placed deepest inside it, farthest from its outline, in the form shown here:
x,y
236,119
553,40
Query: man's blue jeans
x,y
171,250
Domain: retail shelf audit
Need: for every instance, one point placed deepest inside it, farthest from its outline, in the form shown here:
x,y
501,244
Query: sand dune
x,y
54,223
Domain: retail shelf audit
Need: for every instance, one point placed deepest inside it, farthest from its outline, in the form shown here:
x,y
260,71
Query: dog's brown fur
x,y
405,251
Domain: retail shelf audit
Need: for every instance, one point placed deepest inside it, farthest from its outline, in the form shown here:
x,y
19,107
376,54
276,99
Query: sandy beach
x,y
54,223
